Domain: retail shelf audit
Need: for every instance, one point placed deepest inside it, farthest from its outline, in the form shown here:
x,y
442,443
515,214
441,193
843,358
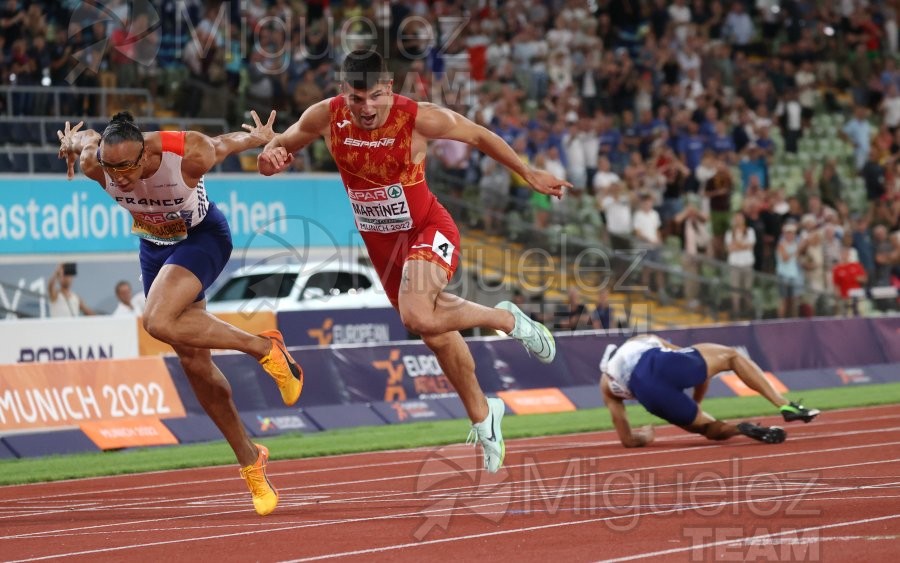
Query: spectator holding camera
x,y
63,302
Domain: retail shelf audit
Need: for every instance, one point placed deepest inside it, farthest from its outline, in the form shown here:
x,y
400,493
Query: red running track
x,y
830,493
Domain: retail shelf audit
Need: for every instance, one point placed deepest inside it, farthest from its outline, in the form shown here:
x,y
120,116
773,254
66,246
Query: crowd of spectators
x,y
668,116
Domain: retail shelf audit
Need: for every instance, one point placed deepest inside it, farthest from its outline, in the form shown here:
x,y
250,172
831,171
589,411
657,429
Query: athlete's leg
x,y
420,300
428,310
456,361
171,315
706,425
214,394
721,358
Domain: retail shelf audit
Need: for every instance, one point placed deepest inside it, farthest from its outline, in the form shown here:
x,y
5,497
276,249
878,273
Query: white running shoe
x,y
488,434
536,338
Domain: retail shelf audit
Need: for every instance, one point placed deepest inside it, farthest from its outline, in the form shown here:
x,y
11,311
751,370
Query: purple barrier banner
x,y
410,371
584,396
252,388
786,345
193,428
887,335
452,405
801,380
328,417
341,326
850,342
39,444
272,422
416,410
742,337
5,452
581,354
519,370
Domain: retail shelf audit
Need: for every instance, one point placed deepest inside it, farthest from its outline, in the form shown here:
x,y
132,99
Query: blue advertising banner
x,y
341,326
51,215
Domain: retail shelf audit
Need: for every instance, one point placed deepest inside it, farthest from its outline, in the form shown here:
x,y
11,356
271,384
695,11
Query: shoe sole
x,y
794,417
278,342
770,435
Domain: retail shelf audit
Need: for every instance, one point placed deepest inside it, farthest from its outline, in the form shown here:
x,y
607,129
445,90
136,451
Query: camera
x,y
70,269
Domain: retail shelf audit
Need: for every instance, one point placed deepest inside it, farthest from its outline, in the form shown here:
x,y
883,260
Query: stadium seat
x,y
49,130
6,164
19,161
25,133
5,132
48,163
231,164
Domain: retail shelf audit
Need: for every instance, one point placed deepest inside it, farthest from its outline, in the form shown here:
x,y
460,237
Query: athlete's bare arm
x,y
616,406
82,145
201,152
53,283
279,152
436,122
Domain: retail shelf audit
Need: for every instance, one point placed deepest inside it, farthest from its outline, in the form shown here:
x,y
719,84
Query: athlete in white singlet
x,y
656,374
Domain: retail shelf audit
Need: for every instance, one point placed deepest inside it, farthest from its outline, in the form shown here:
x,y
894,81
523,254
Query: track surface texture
x,y
831,492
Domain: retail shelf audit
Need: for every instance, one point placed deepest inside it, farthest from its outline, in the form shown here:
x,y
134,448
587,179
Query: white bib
x,y
381,210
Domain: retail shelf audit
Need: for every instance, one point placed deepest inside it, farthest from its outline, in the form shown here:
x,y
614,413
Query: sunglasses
x,y
122,166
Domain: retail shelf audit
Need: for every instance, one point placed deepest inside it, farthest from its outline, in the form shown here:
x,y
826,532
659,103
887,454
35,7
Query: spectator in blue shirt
x,y
691,146
858,132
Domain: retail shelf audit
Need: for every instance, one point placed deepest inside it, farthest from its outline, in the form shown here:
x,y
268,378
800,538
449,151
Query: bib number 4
x,y
443,247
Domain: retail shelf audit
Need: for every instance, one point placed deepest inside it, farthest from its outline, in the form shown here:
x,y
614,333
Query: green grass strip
x,y
354,440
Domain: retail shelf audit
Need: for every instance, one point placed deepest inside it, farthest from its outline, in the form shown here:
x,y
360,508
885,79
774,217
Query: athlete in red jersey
x,y
379,141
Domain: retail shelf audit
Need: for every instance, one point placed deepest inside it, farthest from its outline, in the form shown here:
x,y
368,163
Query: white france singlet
x,y
162,206
621,365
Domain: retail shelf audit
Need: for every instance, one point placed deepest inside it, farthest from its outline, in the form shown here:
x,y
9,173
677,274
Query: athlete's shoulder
x,y
169,141
406,105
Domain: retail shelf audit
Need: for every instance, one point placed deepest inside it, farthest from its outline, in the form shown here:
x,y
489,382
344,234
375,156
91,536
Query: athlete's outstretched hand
x,y
273,160
263,132
546,183
67,147
645,434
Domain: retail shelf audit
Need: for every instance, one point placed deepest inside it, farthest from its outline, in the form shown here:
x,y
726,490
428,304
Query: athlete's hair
x,y
122,128
363,69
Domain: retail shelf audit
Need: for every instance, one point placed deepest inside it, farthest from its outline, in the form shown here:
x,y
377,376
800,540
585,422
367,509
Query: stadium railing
x,y
58,98
26,304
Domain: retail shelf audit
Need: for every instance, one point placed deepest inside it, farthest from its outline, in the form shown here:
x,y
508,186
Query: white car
x,y
299,287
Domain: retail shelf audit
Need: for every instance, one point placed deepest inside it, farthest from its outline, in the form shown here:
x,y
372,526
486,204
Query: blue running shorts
x,y
204,252
660,378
